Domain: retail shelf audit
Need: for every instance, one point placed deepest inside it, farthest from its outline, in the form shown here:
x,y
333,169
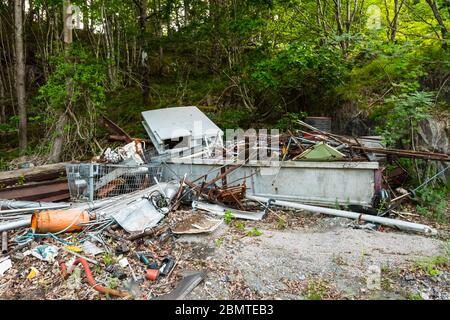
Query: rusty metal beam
x,y
49,191
116,129
406,153
40,173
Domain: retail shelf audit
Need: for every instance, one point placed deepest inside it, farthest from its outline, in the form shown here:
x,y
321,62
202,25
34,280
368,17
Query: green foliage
x,y
21,180
85,74
239,225
219,242
108,259
433,203
76,87
254,232
405,112
231,119
290,120
228,217
281,223
316,289
414,296
113,283
298,68
433,266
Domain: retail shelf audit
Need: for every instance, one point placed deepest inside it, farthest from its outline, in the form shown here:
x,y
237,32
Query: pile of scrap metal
x,y
86,227
319,145
302,173
129,189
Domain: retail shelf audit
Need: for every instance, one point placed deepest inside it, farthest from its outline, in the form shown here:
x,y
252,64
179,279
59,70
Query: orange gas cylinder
x,y
57,220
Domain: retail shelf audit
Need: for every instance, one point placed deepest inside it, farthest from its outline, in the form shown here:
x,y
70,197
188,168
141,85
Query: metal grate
x,y
92,181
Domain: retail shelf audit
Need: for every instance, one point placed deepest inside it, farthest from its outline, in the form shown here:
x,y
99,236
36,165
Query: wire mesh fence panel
x,y
91,181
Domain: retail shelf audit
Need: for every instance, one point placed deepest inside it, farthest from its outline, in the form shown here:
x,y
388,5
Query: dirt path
x,y
282,264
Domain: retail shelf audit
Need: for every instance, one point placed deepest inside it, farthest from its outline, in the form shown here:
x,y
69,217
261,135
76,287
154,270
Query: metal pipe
x,y
403,225
4,242
16,204
15,225
31,210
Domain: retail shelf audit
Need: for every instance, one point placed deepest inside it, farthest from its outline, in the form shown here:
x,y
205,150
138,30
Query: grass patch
x,y
239,225
339,260
254,232
413,296
433,266
108,259
317,289
433,204
228,217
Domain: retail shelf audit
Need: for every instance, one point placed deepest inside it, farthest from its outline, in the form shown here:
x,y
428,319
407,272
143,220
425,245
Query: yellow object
x,y
74,249
33,273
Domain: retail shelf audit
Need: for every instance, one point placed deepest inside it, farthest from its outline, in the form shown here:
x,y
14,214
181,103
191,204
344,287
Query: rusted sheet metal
x,y
34,174
48,191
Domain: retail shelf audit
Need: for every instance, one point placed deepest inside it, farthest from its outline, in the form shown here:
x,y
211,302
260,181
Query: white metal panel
x,y
321,183
176,122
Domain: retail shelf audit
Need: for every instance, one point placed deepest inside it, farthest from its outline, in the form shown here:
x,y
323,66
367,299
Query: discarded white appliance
x,y
173,130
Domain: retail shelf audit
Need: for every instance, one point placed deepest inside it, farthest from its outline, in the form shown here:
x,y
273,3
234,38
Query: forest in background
x,y
374,66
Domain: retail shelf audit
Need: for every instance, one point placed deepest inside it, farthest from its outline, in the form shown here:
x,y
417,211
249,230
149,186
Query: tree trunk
x,y
57,146
2,102
145,70
393,25
20,74
438,17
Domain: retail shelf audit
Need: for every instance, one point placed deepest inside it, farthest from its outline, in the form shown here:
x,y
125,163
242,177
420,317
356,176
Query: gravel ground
x,y
330,252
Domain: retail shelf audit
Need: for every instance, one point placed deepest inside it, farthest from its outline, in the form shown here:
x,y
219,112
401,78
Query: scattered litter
x,y
152,274
221,210
365,226
167,265
80,256
114,270
91,249
73,249
66,272
123,262
196,224
184,287
5,265
45,252
4,242
33,273
122,249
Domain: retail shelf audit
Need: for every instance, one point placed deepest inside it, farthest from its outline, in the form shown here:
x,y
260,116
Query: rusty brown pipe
x,y
90,278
